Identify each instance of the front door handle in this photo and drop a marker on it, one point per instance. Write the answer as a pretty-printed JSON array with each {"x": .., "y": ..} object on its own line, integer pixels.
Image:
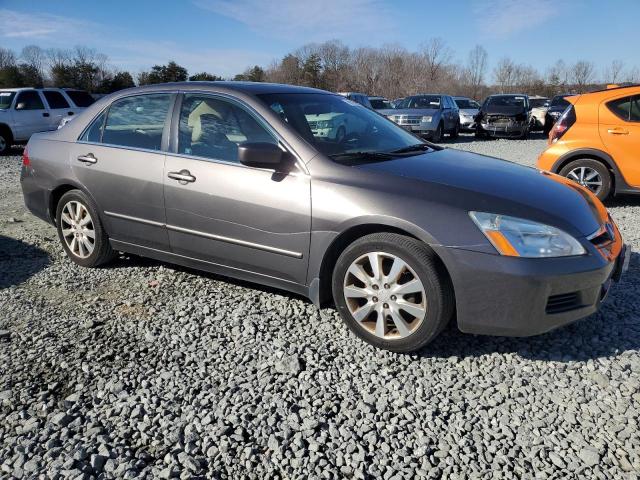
[
  {"x": 183, "y": 176},
  {"x": 69, "y": 113},
  {"x": 88, "y": 159},
  {"x": 618, "y": 131}
]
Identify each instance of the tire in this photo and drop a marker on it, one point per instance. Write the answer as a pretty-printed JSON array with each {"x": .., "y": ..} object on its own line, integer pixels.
[
  {"x": 438, "y": 134},
  {"x": 589, "y": 165},
  {"x": 78, "y": 203},
  {"x": 6, "y": 140},
  {"x": 456, "y": 131},
  {"x": 434, "y": 300},
  {"x": 525, "y": 135}
]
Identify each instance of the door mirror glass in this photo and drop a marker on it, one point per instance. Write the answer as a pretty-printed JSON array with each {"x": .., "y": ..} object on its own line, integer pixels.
[{"x": 261, "y": 155}]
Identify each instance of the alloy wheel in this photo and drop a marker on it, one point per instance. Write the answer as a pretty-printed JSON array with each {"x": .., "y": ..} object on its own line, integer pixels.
[
  {"x": 587, "y": 177},
  {"x": 385, "y": 295},
  {"x": 3, "y": 143},
  {"x": 77, "y": 229}
]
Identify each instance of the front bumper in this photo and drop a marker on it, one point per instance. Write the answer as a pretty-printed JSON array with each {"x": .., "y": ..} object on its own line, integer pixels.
[
  {"x": 497, "y": 295},
  {"x": 507, "y": 130}
]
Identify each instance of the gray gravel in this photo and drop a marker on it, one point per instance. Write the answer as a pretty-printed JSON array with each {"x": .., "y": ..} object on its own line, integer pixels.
[{"x": 143, "y": 369}]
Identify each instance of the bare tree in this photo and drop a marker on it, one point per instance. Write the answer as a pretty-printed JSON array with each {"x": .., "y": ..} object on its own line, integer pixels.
[
  {"x": 7, "y": 58},
  {"x": 582, "y": 74},
  {"x": 504, "y": 73},
  {"x": 613, "y": 73},
  {"x": 35, "y": 58},
  {"x": 476, "y": 69},
  {"x": 437, "y": 55},
  {"x": 633, "y": 75}
]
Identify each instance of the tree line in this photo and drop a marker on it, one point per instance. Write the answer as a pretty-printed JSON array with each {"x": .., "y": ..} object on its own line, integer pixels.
[{"x": 391, "y": 71}]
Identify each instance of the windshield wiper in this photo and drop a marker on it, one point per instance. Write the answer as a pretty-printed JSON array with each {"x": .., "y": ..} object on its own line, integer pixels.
[
  {"x": 413, "y": 148},
  {"x": 380, "y": 155}
]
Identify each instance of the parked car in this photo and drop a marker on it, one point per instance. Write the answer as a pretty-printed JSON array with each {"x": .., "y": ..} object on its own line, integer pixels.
[
  {"x": 360, "y": 98},
  {"x": 24, "y": 111},
  {"x": 429, "y": 115},
  {"x": 398, "y": 233},
  {"x": 539, "y": 106},
  {"x": 396, "y": 102},
  {"x": 596, "y": 142},
  {"x": 380, "y": 103},
  {"x": 505, "y": 116},
  {"x": 557, "y": 106},
  {"x": 468, "y": 110}
]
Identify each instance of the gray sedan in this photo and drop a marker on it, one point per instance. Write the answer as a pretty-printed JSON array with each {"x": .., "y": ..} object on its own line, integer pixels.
[
  {"x": 468, "y": 110},
  {"x": 399, "y": 234}
]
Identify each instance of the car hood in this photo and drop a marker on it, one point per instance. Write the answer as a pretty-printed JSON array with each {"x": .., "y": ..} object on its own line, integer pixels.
[
  {"x": 500, "y": 110},
  {"x": 481, "y": 183},
  {"x": 469, "y": 111}
]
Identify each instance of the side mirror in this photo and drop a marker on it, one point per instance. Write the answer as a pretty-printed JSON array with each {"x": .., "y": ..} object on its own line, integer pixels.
[
  {"x": 261, "y": 155},
  {"x": 21, "y": 106}
]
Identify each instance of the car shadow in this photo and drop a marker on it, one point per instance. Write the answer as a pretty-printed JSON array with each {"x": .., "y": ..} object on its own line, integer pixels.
[
  {"x": 19, "y": 261},
  {"x": 14, "y": 151},
  {"x": 623, "y": 200},
  {"x": 614, "y": 329}
]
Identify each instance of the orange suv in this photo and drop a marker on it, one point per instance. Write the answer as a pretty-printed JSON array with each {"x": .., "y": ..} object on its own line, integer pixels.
[{"x": 596, "y": 141}]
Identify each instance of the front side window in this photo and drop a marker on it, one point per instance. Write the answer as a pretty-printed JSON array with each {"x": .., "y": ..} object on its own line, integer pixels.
[
  {"x": 213, "y": 128},
  {"x": 5, "y": 99},
  {"x": 336, "y": 126},
  {"x": 55, "y": 99},
  {"x": 621, "y": 108},
  {"x": 29, "y": 100},
  {"x": 635, "y": 109},
  {"x": 137, "y": 121}
]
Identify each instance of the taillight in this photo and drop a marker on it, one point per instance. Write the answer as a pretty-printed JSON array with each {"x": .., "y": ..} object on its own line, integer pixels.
[
  {"x": 564, "y": 123},
  {"x": 25, "y": 158}
]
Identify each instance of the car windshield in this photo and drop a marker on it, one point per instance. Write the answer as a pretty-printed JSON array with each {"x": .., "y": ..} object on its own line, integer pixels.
[
  {"x": 380, "y": 103},
  {"x": 5, "y": 99},
  {"x": 538, "y": 102},
  {"x": 506, "y": 101},
  {"x": 340, "y": 128},
  {"x": 466, "y": 103},
  {"x": 421, "y": 101}
]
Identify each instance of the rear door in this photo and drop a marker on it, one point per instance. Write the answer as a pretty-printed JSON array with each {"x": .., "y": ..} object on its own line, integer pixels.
[
  {"x": 59, "y": 107},
  {"x": 241, "y": 217},
  {"x": 120, "y": 161},
  {"x": 30, "y": 115},
  {"x": 619, "y": 124}
]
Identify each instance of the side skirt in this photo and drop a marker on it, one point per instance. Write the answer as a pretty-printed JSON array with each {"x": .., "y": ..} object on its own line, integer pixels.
[{"x": 212, "y": 267}]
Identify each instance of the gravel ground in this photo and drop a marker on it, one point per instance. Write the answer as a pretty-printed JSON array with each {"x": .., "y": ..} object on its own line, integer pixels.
[{"x": 143, "y": 369}]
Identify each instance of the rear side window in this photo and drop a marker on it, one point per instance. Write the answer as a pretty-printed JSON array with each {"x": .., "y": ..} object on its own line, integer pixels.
[
  {"x": 621, "y": 107},
  {"x": 29, "y": 100},
  {"x": 635, "y": 109},
  {"x": 80, "y": 98},
  {"x": 55, "y": 99},
  {"x": 94, "y": 132},
  {"x": 137, "y": 122}
]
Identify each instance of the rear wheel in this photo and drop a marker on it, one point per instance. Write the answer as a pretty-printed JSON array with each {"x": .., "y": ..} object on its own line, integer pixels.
[
  {"x": 590, "y": 174},
  {"x": 80, "y": 230},
  {"x": 391, "y": 292}
]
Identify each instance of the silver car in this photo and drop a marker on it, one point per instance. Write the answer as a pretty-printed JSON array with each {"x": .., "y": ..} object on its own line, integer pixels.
[
  {"x": 429, "y": 115},
  {"x": 468, "y": 110},
  {"x": 397, "y": 233}
]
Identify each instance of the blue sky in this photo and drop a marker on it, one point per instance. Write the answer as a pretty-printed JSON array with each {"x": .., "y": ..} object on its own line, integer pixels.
[{"x": 226, "y": 36}]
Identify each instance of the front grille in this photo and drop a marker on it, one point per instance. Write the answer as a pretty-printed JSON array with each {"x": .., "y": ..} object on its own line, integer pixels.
[
  {"x": 563, "y": 302},
  {"x": 406, "y": 119},
  {"x": 499, "y": 120}
]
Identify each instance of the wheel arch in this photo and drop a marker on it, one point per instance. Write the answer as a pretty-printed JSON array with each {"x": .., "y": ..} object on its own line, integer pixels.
[
  {"x": 617, "y": 178},
  {"x": 320, "y": 289},
  {"x": 56, "y": 194}
]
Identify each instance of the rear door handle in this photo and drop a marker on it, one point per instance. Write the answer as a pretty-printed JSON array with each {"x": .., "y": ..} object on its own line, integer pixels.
[
  {"x": 618, "y": 131},
  {"x": 88, "y": 159},
  {"x": 183, "y": 176}
]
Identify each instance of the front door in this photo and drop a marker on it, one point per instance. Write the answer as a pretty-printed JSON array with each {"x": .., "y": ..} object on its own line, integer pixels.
[
  {"x": 119, "y": 161},
  {"x": 228, "y": 214},
  {"x": 620, "y": 133},
  {"x": 30, "y": 115}
]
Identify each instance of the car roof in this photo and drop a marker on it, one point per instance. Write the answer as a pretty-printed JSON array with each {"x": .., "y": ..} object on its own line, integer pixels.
[{"x": 251, "y": 88}]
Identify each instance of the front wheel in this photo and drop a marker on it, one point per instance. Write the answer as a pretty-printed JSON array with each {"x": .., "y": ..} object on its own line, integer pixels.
[
  {"x": 437, "y": 135},
  {"x": 391, "y": 292},
  {"x": 456, "y": 131},
  {"x": 80, "y": 230},
  {"x": 590, "y": 174},
  {"x": 5, "y": 142}
]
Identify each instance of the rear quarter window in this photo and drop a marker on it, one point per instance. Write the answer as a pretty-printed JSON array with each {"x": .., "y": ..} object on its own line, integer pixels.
[{"x": 621, "y": 108}]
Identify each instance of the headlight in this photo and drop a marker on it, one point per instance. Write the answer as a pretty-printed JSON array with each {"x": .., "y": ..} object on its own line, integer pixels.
[
  {"x": 516, "y": 237},
  {"x": 427, "y": 119},
  {"x": 325, "y": 124}
]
